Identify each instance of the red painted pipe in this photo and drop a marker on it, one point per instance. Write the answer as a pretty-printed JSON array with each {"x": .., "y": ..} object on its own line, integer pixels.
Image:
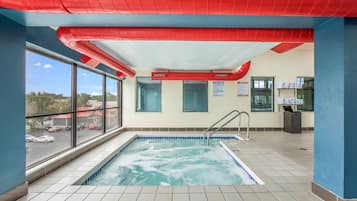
[
  {"x": 92, "y": 51},
  {"x": 284, "y": 47},
  {"x": 89, "y": 61},
  {"x": 188, "y": 34},
  {"x": 172, "y": 75},
  {"x": 331, "y": 8}
]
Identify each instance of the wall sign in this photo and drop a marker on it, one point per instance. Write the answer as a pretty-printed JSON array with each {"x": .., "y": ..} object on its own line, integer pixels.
[
  {"x": 218, "y": 88},
  {"x": 242, "y": 88}
]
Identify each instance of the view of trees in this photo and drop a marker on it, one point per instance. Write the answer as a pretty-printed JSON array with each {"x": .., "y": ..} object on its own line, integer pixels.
[
  {"x": 48, "y": 103},
  {"x": 44, "y": 103}
]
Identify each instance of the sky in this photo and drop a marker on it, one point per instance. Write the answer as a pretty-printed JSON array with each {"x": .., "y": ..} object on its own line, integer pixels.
[{"x": 45, "y": 74}]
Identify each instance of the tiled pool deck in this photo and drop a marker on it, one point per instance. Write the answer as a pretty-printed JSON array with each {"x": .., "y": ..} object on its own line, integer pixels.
[{"x": 276, "y": 157}]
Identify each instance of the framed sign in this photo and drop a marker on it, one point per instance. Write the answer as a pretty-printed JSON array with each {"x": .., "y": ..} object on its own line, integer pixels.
[
  {"x": 218, "y": 88},
  {"x": 242, "y": 88}
]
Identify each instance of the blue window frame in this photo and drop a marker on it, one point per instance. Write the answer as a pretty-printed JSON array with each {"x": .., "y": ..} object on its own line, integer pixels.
[
  {"x": 148, "y": 95},
  {"x": 195, "y": 96}
]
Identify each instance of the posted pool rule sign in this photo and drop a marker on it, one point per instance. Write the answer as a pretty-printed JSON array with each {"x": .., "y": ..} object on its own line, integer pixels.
[
  {"x": 218, "y": 88},
  {"x": 242, "y": 88}
]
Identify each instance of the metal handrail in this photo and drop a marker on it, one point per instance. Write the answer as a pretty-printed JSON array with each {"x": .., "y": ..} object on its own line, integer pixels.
[
  {"x": 248, "y": 126},
  {"x": 217, "y": 122},
  {"x": 227, "y": 122}
]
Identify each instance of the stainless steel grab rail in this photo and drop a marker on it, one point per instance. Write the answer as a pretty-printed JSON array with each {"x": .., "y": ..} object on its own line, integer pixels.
[
  {"x": 217, "y": 122},
  {"x": 206, "y": 135}
]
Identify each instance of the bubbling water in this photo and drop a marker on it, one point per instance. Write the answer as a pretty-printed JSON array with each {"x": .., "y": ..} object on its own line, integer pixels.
[{"x": 172, "y": 162}]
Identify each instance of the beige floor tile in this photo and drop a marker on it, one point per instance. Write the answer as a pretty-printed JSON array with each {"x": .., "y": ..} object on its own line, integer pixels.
[
  {"x": 180, "y": 189},
  {"x": 163, "y": 197},
  {"x": 146, "y": 197},
  {"x": 180, "y": 197},
  {"x": 111, "y": 197},
  {"x": 94, "y": 197},
  {"x": 196, "y": 189},
  {"x": 198, "y": 197},
  {"x": 249, "y": 196},
  {"x": 228, "y": 189},
  {"x": 164, "y": 189},
  {"x": 232, "y": 197},
  {"x": 212, "y": 189},
  {"x": 77, "y": 197},
  {"x": 117, "y": 189},
  {"x": 60, "y": 197},
  {"x": 133, "y": 189},
  {"x": 215, "y": 197},
  {"x": 129, "y": 197},
  {"x": 43, "y": 197}
]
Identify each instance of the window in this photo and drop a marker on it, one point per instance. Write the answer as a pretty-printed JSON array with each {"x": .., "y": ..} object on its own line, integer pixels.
[
  {"x": 306, "y": 93},
  {"x": 262, "y": 94},
  {"x": 48, "y": 107},
  {"x": 195, "y": 96},
  {"x": 50, "y": 101},
  {"x": 148, "y": 95},
  {"x": 112, "y": 104},
  {"x": 89, "y": 105}
]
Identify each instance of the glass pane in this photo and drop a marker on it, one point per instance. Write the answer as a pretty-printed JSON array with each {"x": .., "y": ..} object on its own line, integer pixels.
[
  {"x": 148, "y": 95},
  {"x": 195, "y": 95},
  {"x": 262, "y": 95},
  {"x": 46, "y": 92},
  {"x": 89, "y": 90},
  {"x": 111, "y": 119},
  {"x": 306, "y": 93},
  {"x": 112, "y": 93},
  {"x": 46, "y": 136},
  {"x": 89, "y": 124}
]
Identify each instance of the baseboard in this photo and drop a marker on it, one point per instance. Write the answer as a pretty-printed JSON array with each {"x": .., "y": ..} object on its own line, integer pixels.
[
  {"x": 325, "y": 194},
  {"x": 187, "y": 129},
  {"x": 15, "y": 193}
]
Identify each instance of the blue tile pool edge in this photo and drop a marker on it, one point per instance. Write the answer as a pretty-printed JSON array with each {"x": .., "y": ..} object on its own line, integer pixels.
[{"x": 95, "y": 171}]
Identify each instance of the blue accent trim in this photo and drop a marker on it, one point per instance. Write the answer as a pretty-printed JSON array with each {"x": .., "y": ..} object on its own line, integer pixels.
[
  {"x": 146, "y": 20},
  {"x": 12, "y": 90},
  {"x": 46, "y": 38}
]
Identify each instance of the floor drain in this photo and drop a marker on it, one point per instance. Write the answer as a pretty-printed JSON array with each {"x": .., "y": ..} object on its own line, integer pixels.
[{"x": 303, "y": 149}]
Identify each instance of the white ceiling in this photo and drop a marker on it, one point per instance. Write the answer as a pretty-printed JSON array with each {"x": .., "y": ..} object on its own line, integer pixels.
[{"x": 184, "y": 55}]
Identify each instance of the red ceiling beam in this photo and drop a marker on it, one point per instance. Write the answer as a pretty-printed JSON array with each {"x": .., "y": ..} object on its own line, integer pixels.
[
  {"x": 188, "y": 34},
  {"x": 92, "y": 52},
  {"x": 211, "y": 75},
  {"x": 332, "y": 8},
  {"x": 284, "y": 47}
]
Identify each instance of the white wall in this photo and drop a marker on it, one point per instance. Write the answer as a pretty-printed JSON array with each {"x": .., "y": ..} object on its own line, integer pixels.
[{"x": 283, "y": 67}]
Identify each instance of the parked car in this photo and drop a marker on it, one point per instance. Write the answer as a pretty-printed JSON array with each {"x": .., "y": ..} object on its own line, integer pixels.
[
  {"x": 94, "y": 127},
  {"x": 54, "y": 129}
]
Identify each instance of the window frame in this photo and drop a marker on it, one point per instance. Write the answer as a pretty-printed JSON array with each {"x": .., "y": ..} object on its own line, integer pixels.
[
  {"x": 313, "y": 92},
  {"x": 136, "y": 96},
  {"x": 183, "y": 96},
  {"x": 73, "y": 99},
  {"x": 252, "y": 78}
]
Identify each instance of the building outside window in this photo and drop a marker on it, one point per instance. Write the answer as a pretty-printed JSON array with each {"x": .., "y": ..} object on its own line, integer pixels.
[
  {"x": 195, "y": 96},
  {"x": 306, "y": 93},
  {"x": 90, "y": 108},
  {"x": 148, "y": 95},
  {"x": 50, "y": 110},
  {"x": 262, "y": 94},
  {"x": 112, "y": 104}
]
